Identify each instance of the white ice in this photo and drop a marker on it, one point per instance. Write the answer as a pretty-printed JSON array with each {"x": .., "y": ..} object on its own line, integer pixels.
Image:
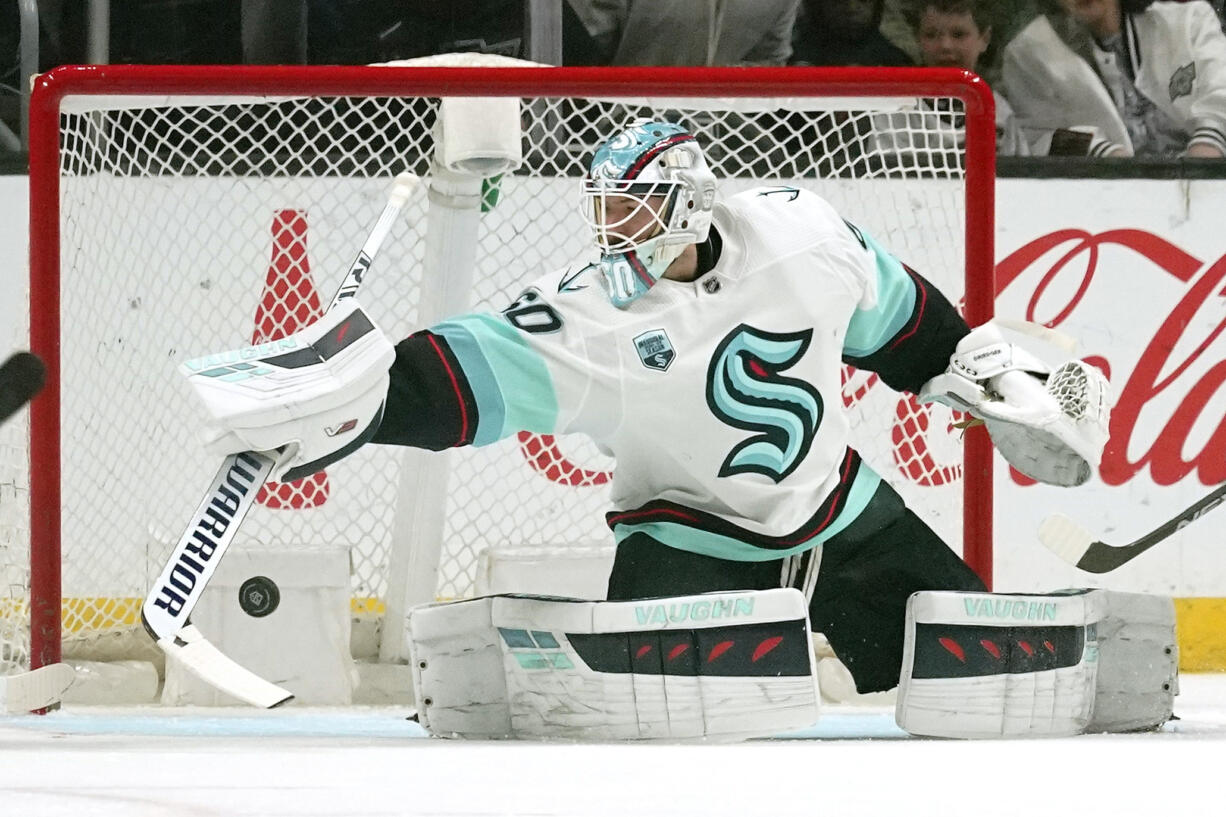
[{"x": 87, "y": 761}]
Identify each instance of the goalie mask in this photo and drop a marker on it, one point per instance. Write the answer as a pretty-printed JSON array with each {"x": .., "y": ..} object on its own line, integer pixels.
[{"x": 647, "y": 196}]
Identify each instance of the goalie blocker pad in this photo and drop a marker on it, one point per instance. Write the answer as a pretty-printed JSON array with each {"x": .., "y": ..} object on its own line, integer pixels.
[
  {"x": 307, "y": 399},
  {"x": 717, "y": 666},
  {"x": 983, "y": 665}
]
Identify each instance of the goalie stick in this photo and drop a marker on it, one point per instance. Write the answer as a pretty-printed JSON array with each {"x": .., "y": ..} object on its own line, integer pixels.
[
  {"x": 166, "y": 610},
  {"x": 21, "y": 377},
  {"x": 1073, "y": 543}
]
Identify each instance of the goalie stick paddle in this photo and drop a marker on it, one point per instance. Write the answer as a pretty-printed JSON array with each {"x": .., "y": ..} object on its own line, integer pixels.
[
  {"x": 166, "y": 609},
  {"x": 21, "y": 377},
  {"x": 1074, "y": 544}
]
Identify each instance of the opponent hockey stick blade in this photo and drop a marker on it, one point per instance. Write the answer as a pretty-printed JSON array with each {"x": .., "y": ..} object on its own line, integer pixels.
[
  {"x": 1074, "y": 544},
  {"x": 190, "y": 648},
  {"x": 173, "y": 596},
  {"x": 37, "y": 689},
  {"x": 21, "y": 377}
]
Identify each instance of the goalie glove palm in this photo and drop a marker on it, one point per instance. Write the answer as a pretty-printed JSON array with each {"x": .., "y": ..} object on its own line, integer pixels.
[
  {"x": 1049, "y": 425},
  {"x": 306, "y": 400}
]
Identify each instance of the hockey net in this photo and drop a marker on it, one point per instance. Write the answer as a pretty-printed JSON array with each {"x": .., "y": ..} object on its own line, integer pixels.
[{"x": 189, "y": 210}]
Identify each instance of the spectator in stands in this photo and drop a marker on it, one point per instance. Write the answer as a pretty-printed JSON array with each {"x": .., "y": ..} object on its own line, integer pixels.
[
  {"x": 689, "y": 32},
  {"x": 896, "y": 27},
  {"x": 957, "y": 34},
  {"x": 843, "y": 32},
  {"x": 1219, "y": 6},
  {"x": 1150, "y": 75}
]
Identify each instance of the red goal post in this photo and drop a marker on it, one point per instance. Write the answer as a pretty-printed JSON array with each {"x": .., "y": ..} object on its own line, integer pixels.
[{"x": 130, "y": 244}]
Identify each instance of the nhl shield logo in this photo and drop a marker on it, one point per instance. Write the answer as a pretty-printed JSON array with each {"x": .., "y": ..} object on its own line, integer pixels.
[
  {"x": 1182, "y": 80},
  {"x": 655, "y": 350}
]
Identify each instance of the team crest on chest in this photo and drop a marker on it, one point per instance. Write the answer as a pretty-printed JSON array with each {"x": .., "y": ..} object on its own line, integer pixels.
[
  {"x": 655, "y": 349},
  {"x": 746, "y": 390}
]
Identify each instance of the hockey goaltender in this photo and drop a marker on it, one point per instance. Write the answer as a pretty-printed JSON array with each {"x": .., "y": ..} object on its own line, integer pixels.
[{"x": 703, "y": 350}]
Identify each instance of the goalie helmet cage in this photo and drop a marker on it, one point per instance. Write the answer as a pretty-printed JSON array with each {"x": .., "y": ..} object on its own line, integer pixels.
[{"x": 179, "y": 210}]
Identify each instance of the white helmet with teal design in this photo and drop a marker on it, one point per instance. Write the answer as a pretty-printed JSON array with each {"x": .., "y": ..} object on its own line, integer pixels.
[{"x": 651, "y": 179}]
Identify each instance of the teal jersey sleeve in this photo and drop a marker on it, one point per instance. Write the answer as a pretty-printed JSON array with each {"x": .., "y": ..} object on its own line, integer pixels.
[
  {"x": 509, "y": 379},
  {"x": 910, "y": 332},
  {"x": 871, "y": 329}
]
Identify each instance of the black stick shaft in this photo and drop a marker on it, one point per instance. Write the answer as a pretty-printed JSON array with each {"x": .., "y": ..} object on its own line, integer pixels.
[
  {"x": 1102, "y": 558},
  {"x": 21, "y": 377}
]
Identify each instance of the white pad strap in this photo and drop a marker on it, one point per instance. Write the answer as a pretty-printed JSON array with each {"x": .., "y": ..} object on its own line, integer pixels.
[
  {"x": 715, "y": 666},
  {"x": 987, "y": 351},
  {"x": 307, "y": 399},
  {"x": 993, "y": 665}
]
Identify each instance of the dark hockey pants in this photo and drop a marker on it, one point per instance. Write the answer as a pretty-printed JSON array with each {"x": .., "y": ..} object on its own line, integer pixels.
[{"x": 867, "y": 573}]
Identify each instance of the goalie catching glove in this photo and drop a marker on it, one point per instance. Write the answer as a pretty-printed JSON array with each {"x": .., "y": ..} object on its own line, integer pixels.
[
  {"x": 306, "y": 400},
  {"x": 1049, "y": 425}
]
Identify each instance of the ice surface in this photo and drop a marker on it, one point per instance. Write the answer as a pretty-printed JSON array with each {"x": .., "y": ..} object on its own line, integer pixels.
[{"x": 88, "y": 761}]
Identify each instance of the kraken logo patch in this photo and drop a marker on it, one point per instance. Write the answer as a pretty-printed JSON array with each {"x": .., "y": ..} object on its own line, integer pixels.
[
  {"x": 1182, "y": 81},
  {"x": 655, "y": 349},
  {"x": 746, "y": 390}
]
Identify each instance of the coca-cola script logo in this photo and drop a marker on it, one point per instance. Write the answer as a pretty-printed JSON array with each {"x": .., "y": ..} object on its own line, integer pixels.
[
  {"x": 1169, "y": 370},
  {"x": 1170, "y": 454}
]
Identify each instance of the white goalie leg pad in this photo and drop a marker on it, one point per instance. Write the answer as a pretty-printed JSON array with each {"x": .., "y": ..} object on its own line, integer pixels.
[
  {"x": 1050, "y": 424},
  {"x": 307, "y": 399},
  {"x": 984, "y": 665},
  {"x": 721, "y": 666}
]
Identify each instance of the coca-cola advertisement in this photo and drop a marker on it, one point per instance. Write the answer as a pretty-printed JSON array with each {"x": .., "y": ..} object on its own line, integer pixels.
[{"x": 1135, "y": 271}]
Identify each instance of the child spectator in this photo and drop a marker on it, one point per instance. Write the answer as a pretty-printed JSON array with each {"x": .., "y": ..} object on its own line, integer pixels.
[{"x": 957, "y": 34}]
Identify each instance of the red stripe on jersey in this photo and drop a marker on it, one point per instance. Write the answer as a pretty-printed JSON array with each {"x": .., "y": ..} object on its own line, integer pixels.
[
  {"x": 455, "y": 385},
  {"x": 831, "y": 507},
  {"x": 922, "y": 294},
  {"x": 643, "y": 516}
]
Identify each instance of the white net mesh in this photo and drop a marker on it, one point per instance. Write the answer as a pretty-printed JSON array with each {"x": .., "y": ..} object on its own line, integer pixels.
[
  {"x": 14, "y": 546},
  {"x": 14, "y": 511},
  {"x": 191, "y": 226}
]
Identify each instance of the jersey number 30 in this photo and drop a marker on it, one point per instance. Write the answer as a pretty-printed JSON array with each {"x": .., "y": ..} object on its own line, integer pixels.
[{"x": 530, "y": 313}]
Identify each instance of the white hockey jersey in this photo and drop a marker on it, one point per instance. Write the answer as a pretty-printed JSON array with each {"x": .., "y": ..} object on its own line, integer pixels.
[{"x": 719, "y": 398}]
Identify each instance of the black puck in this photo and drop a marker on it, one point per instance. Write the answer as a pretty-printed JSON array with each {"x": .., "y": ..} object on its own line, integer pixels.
[{"x": 259, "y": 596}]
